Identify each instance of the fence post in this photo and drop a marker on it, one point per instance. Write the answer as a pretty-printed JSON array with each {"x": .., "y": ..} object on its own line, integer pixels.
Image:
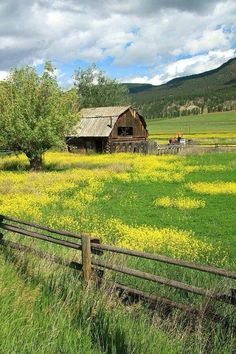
[
  {"x": 86, "y": 258},
  {"x": 1, "y": 220}
]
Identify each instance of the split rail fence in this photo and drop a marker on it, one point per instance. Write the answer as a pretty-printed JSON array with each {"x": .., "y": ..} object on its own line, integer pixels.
[
  {"x": 91, "y": 266},
  {"x": 6, "y": 152}
]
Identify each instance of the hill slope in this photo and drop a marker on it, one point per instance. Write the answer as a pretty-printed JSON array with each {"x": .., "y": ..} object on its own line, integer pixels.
[{"x": 211, "y": 91}]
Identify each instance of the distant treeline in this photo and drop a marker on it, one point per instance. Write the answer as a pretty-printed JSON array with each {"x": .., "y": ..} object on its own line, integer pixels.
[{"x": 183, "y": 106}]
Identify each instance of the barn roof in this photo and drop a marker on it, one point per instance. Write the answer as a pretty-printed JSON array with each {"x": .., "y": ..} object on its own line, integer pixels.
[
  {"x": 99, "y": 112},
  {"x": 95, "y": 127},
  {"x": 98, "y": 122}
]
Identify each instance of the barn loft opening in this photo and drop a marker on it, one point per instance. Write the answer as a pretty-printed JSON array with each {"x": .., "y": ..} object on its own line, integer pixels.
[{"x": 125, "y": 131}]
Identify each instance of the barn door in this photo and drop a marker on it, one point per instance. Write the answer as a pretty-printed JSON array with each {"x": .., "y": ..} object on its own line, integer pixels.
[{"x": 98, "y": 145}]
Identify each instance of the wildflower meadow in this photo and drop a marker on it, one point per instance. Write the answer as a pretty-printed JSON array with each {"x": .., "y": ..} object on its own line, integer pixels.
[
  {"x": 161, "y": 200},
  {"x": 180, "y": 206}
]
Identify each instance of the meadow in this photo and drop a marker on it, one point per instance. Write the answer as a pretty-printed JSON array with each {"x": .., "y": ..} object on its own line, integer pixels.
[
  {"x": 211, "y": 128},
  {"x": 182, "y": 206}
]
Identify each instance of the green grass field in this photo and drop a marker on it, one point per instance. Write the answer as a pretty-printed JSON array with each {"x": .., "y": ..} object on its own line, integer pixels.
[
  {"x": 181, "y": 206},
  {"x": 212, "y": 128}
]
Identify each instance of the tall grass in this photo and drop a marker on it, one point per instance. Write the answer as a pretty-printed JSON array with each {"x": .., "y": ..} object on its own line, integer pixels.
[{"x": 44, "y": 309}]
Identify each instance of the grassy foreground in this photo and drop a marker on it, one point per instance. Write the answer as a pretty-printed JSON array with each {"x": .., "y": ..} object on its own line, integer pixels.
[
  {"x": 172, "y": 205},
  {"x": 211, "y": 128}
]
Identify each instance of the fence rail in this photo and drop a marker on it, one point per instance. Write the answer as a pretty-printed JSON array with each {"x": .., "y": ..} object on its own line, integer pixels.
[
  {"x": 5, "y": 152},
  {"x": 91, "y": 247},
  {"x": 164, "y": 259}
]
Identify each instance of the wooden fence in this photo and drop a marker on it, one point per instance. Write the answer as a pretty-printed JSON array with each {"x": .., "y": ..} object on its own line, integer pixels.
[
  {"x": 149, "y": 147},
  {"x": 5, "y": 152},
  {"x": 92, "y": 264},
  {"x": 154, "y": 149}
]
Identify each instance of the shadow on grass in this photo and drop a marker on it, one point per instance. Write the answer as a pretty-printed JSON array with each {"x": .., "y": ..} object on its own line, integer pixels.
[
  {"x": 80, "y": 165},
  {"x": 18, "y": 166},
  {"x": 14, "y": 166},
  {"x": 47, "y": 167}
]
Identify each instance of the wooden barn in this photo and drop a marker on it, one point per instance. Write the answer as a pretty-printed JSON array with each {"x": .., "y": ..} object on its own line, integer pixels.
[{"x": 109, "y": 129}]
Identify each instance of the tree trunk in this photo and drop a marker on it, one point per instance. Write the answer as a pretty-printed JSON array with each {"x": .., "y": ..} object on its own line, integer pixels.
[{"x": 36, "y": 163}]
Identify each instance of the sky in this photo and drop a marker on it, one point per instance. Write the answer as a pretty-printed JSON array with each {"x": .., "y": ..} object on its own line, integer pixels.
[{"x": 146, "y": 41}]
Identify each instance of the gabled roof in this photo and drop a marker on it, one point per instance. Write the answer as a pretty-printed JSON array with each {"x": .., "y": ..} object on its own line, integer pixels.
[
  {"x": 98, "y": 122},
  {"x": 99, "y": 112}
]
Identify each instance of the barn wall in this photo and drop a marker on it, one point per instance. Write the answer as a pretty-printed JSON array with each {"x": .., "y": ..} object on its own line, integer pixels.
[{"x": 129, "y": 119}]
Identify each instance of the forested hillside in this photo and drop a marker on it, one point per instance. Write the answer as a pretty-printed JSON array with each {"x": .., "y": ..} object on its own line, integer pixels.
[{"x": 211, "y": 91}]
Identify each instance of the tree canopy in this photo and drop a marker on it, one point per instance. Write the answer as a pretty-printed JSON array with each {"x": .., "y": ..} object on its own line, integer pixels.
[
  {"x": 95, "y": 89},
  {"x": 35, "y": 113}
]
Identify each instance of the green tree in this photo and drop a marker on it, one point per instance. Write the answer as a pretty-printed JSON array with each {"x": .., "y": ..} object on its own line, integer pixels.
[
  {"x": 95, "y": 89},
  {"x": 35, "y": 113}
]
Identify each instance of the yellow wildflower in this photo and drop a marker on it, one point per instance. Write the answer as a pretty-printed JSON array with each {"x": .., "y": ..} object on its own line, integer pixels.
[
  {"x": 213, "y": 188},
  {"x": 180, "y": 203}
]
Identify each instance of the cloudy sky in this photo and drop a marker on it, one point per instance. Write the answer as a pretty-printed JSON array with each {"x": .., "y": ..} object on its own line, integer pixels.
[{"x": 133, "y": 40}]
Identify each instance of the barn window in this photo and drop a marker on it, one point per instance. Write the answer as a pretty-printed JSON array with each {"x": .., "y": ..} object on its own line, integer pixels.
[{"x": 125, "y": 131}]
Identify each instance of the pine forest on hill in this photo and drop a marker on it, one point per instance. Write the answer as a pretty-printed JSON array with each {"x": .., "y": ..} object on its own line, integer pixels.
[{"x": 211, "y": 91}]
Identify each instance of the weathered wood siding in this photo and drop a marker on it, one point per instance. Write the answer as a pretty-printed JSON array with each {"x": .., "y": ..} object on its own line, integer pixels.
[{"x": 129, "y": 119}]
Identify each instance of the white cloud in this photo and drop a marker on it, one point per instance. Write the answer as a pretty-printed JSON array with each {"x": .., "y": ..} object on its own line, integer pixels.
[
  {"x": 173, "y": 33},
  {"x": 155, "y": 80},
  {"x": 3, "y": 75},
  {"x": 146, "y": 33},
  {"x": 184, "y": 67},
  {"x": 209, "y": 39},
  {"x": 198, "y": 63}
]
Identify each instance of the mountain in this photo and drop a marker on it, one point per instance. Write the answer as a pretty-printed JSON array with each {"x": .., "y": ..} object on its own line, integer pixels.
[{"x": 210, "y": 91}]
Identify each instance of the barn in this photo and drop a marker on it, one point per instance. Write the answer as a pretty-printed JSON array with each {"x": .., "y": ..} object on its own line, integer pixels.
[{"x": 109, "y": 129}]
